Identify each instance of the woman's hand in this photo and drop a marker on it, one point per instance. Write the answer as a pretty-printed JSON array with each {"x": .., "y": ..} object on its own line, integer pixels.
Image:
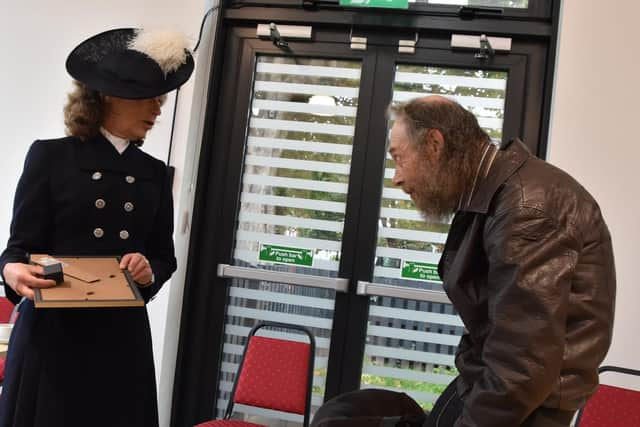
[
  {"x": 139, "y": 267},
  {"x": 23, "y": 278}
]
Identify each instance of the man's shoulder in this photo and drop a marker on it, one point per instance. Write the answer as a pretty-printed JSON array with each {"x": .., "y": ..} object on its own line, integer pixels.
[
  {"x": 548, "y": 189},
  {"x": 543, "y": 182}
]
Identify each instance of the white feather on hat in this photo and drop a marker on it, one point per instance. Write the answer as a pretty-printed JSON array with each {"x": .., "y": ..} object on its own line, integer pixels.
[{"x": 168, "y": 48}]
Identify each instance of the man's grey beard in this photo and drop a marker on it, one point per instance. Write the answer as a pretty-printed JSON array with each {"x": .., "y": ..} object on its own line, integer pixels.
[{"x": 442, "y": 184}]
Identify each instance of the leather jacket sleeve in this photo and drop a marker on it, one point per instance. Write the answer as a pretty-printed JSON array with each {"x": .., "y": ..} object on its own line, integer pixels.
[{"x": 531, "y": 263}]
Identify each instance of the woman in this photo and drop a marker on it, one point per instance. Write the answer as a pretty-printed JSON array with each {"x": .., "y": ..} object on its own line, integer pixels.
[{"x": 94, "y": 193}]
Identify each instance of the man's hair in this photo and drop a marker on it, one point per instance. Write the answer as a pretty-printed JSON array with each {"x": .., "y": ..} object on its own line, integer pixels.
[
  {"x": 443, "y": 181},
  {"x": 83, "y": 112},
  {"x": 458, "y": 126}
]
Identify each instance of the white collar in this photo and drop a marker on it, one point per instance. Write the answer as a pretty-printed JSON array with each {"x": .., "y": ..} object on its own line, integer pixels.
[{"x": 119, "y": 144}]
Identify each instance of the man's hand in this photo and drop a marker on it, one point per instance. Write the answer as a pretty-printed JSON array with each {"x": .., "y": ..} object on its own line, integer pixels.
[
  {"x": 139, "y": 267},
  {"x": 23, "y": 278}
]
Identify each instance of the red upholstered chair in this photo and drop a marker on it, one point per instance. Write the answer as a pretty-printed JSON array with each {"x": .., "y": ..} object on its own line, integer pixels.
[
  {"x": 611, "y": 406},
  {"x": 275, "y": 374},
  {"x": 6, "y": 308}
]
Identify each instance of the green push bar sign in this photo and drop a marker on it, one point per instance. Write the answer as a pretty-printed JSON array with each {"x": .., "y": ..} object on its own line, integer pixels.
[
  {"x": 389, "y": 4},
  {"x": 420, "y": 271},
  {"x": 286, "y": 255}
]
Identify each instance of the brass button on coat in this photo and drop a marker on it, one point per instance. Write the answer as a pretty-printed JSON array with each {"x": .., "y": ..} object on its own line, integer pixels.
[
  {"x": 98, "y": 232},
  {"x": 130, "y": 179},
  {"x": 128, "y": 206},
  {"x": 100, "y": 203},
  {"x": 124, "y": 234},
  {"x": 97, "y": 176}
]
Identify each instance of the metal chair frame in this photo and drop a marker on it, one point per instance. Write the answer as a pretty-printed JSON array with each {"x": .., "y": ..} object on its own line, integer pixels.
[{"x": 312, "y": 352}]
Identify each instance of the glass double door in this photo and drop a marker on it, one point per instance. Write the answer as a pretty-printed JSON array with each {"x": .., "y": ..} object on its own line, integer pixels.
[{"x": 313, "y": 231}]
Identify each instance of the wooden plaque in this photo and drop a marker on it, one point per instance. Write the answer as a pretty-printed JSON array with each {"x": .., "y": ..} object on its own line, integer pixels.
[{"x": 88, "y": 282}]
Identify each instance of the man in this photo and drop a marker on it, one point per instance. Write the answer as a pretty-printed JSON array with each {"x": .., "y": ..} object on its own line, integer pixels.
[{"x": 528, "y": 264}]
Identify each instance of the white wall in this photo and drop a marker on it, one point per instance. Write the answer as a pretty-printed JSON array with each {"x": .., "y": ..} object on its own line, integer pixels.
[
  {"x": 187, "y": 154},
  {"x": 593, "y": 133},
  {"x": 36, "y": 37},
  {"x": 595, "y": 137}
]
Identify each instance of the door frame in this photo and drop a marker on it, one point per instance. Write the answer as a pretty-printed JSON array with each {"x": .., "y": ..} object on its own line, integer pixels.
[
  {"x": 202, "y": 322},
  {"x": 346, "y": 376}
]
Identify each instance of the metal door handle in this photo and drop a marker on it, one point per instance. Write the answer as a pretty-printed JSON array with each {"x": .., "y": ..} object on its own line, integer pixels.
[
  {"x": 336, "y": 283},
  {"x": 378, "y": 289}
]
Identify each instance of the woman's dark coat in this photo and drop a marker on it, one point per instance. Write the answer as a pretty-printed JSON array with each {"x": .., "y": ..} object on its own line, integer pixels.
[{"x": 79, "y": 367}]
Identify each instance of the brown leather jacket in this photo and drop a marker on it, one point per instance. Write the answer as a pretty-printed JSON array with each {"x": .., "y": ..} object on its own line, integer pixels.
[{"x": 529, "y": 266}]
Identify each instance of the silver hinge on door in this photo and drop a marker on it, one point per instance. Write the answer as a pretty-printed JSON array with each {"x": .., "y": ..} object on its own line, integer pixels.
[
  {"x": 408, "y": 46},
  {"x": 485, "y": 47},
  {"x": 357, "y": 43}
]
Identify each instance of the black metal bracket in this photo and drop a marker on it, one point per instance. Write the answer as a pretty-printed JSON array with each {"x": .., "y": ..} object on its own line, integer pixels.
[
  {"x": 486, "y": 50},
  {"x": 309, "y": 5},
  {"x": 468, "y": 12},
  {"x": 276, "y": 38}
]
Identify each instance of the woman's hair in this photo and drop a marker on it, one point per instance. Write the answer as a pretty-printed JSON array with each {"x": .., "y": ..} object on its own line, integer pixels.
[{"x": 83, "y": 112}]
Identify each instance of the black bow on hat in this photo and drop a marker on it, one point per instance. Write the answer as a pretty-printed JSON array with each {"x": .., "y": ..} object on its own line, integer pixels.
[{"x": 131, "y": 63}]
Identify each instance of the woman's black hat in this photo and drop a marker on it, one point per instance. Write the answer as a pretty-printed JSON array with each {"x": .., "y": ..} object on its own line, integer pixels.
[{"x": 132, "y": 63}]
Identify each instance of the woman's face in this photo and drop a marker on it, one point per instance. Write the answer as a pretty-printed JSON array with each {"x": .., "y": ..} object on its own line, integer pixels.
[{"x": 131, "y": 118}]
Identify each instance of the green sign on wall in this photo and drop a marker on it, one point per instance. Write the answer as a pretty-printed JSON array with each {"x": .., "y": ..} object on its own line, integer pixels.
[
  {"x": 286, "y": 255},
  {"x": 420, "y": 271},
  {"x": 390, "y": 4}
]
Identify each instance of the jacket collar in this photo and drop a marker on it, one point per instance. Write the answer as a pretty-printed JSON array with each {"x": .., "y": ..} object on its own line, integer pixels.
[
  {"x": 509, "y": 158},
  {"x": 98, "y": 154}
]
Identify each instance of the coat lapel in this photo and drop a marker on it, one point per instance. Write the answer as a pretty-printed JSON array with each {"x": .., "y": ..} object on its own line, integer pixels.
[
  {"x": 98, "y": 154},
  {"x": 508, "y": 160}
]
